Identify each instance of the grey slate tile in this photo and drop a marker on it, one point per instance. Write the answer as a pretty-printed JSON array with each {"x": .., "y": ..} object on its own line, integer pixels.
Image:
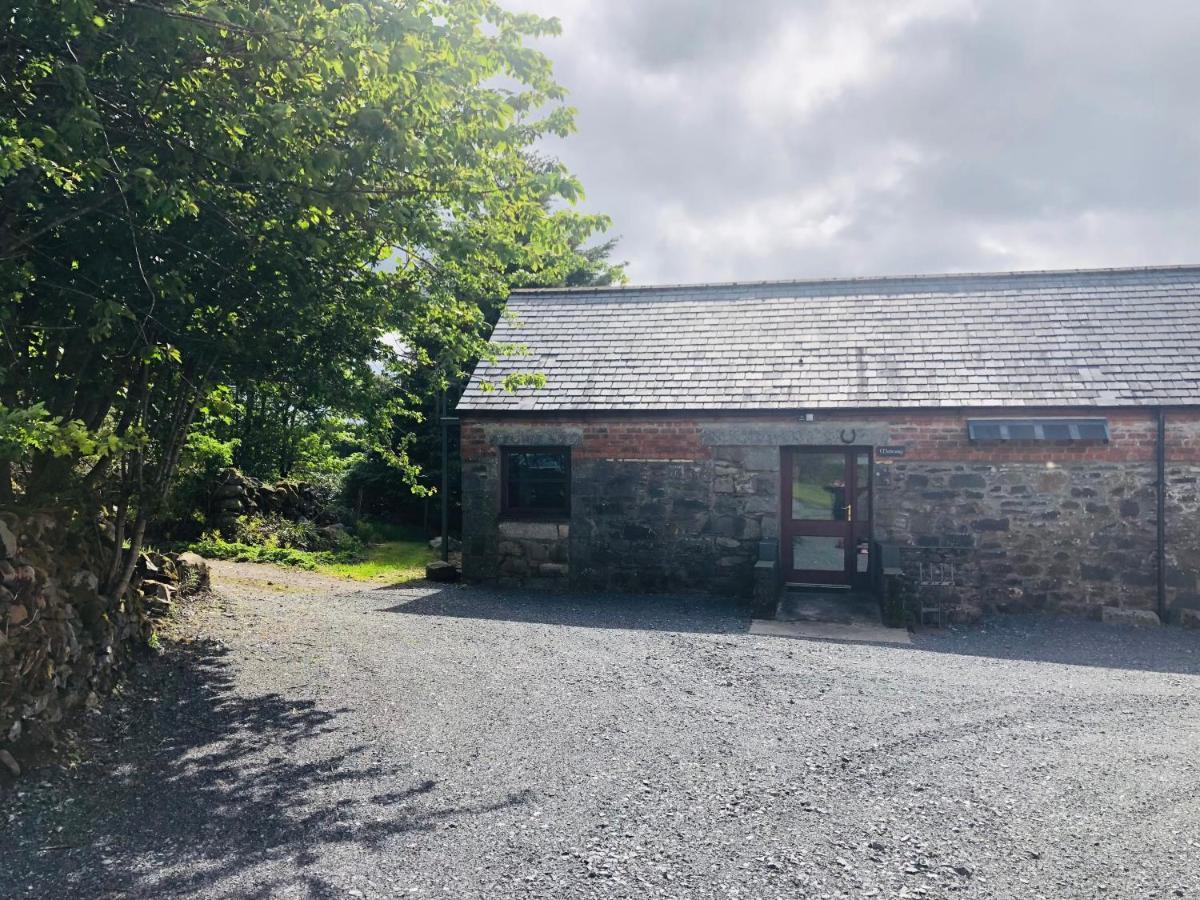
[{"x": 1100, "y": 337}]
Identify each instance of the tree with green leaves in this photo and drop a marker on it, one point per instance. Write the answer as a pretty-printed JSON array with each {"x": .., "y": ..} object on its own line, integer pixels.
[{"x": 198, "y": 194}]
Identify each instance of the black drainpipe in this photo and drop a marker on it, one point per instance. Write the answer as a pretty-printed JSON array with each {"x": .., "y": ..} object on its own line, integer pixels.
[{"x": 1160, "y": 453}]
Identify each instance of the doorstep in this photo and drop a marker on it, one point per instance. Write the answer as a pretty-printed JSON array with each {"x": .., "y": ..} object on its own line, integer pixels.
[{"x": 856, "y": 632}]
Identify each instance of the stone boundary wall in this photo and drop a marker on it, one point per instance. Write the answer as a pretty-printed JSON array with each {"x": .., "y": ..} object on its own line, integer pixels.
[
  {"x": 674, "y": 502},
  {"x": 236, "y": 494},
  {"x": 63, "y": 643}
]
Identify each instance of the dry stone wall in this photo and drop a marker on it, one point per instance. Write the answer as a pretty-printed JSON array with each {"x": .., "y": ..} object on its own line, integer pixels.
[
  {"x": 237, "y": 494},
  {"x": 63, "y": 643}
]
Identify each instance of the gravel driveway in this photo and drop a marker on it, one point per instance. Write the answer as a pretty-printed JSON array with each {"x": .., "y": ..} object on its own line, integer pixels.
[{"x": 316, "y": 739}]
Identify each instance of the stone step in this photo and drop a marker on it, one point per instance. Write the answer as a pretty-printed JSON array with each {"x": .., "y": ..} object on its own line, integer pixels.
[{"x": 843, "y": 607}]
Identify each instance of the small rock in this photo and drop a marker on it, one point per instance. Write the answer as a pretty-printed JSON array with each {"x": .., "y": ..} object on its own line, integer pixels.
[
  {"x": 8, "y": 541},
  {"x": 1189, "y": 618},
  {"x": 158, "y": 590},
  {"x": 441, "y": 571},
  {"x": 11, "y": 764}
]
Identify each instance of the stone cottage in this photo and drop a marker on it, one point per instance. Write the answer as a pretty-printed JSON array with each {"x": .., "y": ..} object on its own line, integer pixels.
[{"x": 1039, "y": 431}]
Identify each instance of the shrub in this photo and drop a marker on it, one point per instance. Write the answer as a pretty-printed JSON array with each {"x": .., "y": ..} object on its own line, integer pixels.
[
  {"x": 276, "y": 532},
  {"x": 213, "y": 546},
  {"x": 373, "y": 532}
]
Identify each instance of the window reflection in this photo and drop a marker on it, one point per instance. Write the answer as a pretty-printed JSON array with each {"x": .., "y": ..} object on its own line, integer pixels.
[{"x": 819, "y": 487}]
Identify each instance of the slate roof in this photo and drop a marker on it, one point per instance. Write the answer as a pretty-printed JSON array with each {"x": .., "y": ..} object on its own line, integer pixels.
[{"x": 1105, "y": 337}]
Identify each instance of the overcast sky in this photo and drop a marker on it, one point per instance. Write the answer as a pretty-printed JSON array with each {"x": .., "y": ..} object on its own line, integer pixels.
[{"x": 750, "y": 139}]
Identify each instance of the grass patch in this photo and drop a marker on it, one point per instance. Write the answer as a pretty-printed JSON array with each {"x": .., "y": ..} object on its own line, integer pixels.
[
  {"x": 395, "y": 561},
  {"x": 215, "y": 548},
  {"x": 392, "y": 560}
]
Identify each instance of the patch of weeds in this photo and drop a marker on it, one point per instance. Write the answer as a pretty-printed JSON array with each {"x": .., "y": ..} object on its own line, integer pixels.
[
  {"x": 190, "y": 582},
  {"x": 213, "y": 546},
  {"x": 393, "y": 561}
]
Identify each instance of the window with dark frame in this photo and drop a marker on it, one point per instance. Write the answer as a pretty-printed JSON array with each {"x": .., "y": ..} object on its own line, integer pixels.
[
  {"x": 992, "y": 430},
  {"x": 536, "y": 481}
]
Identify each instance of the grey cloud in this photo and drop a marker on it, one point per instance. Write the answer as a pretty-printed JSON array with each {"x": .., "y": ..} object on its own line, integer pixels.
[{"x": 775, "y": 139}]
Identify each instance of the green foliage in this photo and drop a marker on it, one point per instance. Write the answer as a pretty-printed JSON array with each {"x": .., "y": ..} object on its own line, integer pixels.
[
  {"x": 392, "y": 561},
  {"x": 275, "y": 531},
  {"x": 213, "y": 546},
  {"x": 25, "y": 433},
  {"x": 196, "y": 194},
  {"x": 370, "y": 531},
  {"x": 204, "y": 455}
]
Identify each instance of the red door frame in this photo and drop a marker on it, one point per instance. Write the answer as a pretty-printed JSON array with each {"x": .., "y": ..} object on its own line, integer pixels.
[{"x": 851, "y": 530}]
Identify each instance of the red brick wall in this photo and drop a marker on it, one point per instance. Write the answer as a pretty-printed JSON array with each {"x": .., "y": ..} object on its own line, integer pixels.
[
  {"x": 926, "y": 436},
  {"x": 944, "y": 438},
  {"x": 473, "y": 441},
  {"x": 663, "y": 439}
]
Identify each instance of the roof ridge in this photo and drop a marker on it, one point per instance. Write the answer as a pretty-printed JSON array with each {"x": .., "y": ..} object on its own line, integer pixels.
[{"x": 1019, "y": 274}]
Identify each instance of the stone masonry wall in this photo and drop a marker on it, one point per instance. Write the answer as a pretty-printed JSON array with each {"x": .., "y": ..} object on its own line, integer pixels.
[
  {"x": 1046, "y": 526},
  {"x": 63, "y": 642},
  {"x": 653, "y": 508},
  {"x": 674, "y": 503},
  {"x": 533, "y": 554},
  {"x": 1023, "y": 536}
]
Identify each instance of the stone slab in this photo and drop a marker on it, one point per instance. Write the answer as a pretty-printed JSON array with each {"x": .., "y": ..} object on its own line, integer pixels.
[
  {"x": 543, "y": 531},
  {"x": 810, "y": 434},
  {"x": 1113, "y": 615},
  {"x": 857, "y": 632}
]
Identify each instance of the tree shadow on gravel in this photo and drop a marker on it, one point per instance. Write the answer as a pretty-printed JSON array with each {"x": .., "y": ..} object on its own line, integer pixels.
[
  {"x": 189, "y": 786},
  {"x": 699, "y": 614}
]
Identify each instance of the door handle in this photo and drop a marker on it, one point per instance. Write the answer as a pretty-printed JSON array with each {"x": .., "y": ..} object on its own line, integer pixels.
[{"x": 849, "y": 508}]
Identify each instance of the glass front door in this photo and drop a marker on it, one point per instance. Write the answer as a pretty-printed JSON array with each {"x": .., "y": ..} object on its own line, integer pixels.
[{"x": 826, "y": 514}]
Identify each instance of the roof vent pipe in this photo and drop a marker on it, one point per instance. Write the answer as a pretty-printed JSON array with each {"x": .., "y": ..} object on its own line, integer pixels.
[{"x": 1160, "y": 453}]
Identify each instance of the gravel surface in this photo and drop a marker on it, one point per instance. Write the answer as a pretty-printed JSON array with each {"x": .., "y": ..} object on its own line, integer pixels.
[{"x": 317, "y": 739}]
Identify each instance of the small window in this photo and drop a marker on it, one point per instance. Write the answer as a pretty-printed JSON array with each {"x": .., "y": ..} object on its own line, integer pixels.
[
  {"x": 1022, "y": 431},
  {"x": 987, "y": 430},
  {"x": 536, "y": 481},
  {"x": 1056, "y": 431},
  {"x": 1093, "y": 430}
]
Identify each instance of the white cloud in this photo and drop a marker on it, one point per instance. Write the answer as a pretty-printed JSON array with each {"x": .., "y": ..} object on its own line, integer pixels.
[{"x": 814, "y": 60}]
